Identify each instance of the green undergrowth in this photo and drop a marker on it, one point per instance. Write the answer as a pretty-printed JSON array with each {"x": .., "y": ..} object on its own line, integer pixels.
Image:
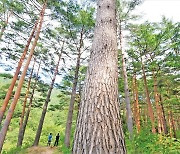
[{"x": 147, "y": 143}]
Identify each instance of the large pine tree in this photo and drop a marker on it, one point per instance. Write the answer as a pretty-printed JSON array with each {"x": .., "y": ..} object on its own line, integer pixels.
[{"x": 99, "y": 127}]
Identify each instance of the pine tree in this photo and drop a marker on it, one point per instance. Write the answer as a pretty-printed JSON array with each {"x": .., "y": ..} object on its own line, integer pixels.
[
  {"x": 99, "y": 127},
  {"x": 17, "y": 94}
]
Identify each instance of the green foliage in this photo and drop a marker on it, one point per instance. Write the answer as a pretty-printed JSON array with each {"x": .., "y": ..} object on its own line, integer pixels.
[
  {"x": 149, "y": 143},
  {"x": 16, "y": 150},
  {"x": 157, "y": 43},
  {"x": 6, "y": 76}
]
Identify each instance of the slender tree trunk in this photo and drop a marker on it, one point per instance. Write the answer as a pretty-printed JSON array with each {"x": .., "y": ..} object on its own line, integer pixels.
[
  {"x": 171, "y": 125},
  {"x": 24, "y": 103},
  {"x": 6, "y": 23},
  {"x": 165, "y": 130},
  {"x": 24, "y": 124},
  {"x": 18, "y": 90},
  {"x": 80, "y": 91},
  {"x": 15, "y": 77},
  {"x": 150, "y": 109},
  {"x": 98, "y": 129},
  {"x": 73, "y": 95},
  {"x": 158, "y": 110},
  {"x": 134, "y": 100},
  {"x": 126, "y": 89},
  {"x": 41, "y": 122},
  {"x": 146, "y": 114},
  {"x": 136, "y": 104}
]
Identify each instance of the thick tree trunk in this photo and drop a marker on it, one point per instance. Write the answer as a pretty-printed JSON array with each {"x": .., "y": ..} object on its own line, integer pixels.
[
  {"x": 15, "y": 77},
  {"x": 22, "y": 130},
  {"x": 6, "y": 23},
  {"x": 126, "y": 89},
  {"x": 150, "y": 109},
  {"x": 41, "y": 122},
  {"x": 73, "y": 95},
  {"x": 24, "y": 104},
  {"x": 136, "y": 104},
  {"x": 99, "y": 129},
  {"x": 18, "y": 90}
]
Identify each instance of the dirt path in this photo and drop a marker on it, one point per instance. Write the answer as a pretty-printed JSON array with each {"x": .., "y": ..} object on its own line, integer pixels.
[{"x": 42, "y": 150}]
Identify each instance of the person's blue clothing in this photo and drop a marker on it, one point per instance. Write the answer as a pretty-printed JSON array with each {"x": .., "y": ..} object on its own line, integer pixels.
[{"x": 49, "y": 137}]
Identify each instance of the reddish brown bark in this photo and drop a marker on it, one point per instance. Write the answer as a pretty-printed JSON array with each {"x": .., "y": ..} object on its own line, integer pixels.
[
  {"x": 162, "y": 128},
  {"x": 158, "y": 110},
  {"x": 136, "y": 104},
  {"x": 18, "y": 90},
  {"x": 150, "y": 109},
  {"x": 15, "y": 77},
  {"x": 165, "y": 130},
  {"x": 171, "y": 125},
  {"x": 22, "y": 130},
  {"x": 25, "y": 100}
]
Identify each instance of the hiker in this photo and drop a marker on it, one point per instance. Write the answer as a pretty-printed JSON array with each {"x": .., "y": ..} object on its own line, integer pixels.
[
  {"x": 49, "y": 139},
  {"x": 57, "y": 140}
]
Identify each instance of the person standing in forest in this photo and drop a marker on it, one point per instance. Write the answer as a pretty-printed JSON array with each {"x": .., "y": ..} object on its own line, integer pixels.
[
  {"x": 57, "y": 140},
  {"x": 49, "y": 139}
]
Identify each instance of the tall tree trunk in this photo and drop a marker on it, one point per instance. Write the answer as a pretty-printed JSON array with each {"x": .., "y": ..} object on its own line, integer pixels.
[
  {"x": 15, "y": 77},
  {"x": 73, "y": 95},
  {"x": 150, "y": 109},
  {"x": 136, "y": 104},
  {"x": 165, "y": 130},
  {"x": 41, "y": 122},
  {"x": 158, "y": 110},
  {"x": 18, "y": 90},
  {"x": 79, "y": 100},
  {"x": 6, "y": 23},
  {"x": 146, "y": 116},
  {"x": 24, "y": 103},
  {"x": 99, "y": 129},
  {"x": 134, "y": 99},
  {"x": 126, "y": 89},
  {"x": 171, "y": 125},
  {"x": 24, "y": 124}
]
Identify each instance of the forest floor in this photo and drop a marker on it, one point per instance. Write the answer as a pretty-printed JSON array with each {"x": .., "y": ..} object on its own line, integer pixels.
[{"x": 42, "y": 150}]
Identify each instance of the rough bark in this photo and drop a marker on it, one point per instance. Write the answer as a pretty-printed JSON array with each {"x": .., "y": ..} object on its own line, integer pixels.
[
  {"x": 6, "y": 23},
  {"x": 73, "y": 95},
  {"x": 126, "y": 89},
  {"x": 98, "y": 129},
  {"x": 150, "y": 109},
  {"x": 41, "y": 122},
  {"x": 24, "y": 104},
  {"x": 18, "y": 90},
  {"x": 15, "y": 77},
  {"x": 24, "y": 124},
  {"x": 136, "y": 104}
]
